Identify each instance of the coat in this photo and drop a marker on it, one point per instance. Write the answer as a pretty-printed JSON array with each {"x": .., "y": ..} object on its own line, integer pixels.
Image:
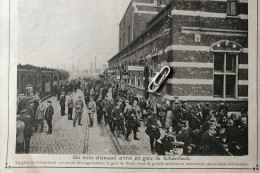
[
  {"x": 30, "y": 110},
  {"x": 19, "y": 131},
  {"x": 79, "y": 106},
  {"x": 70, "y": 103},
  {"x": 91, "y": 106},
  {"x": 169, "y": 119},
  {"x": 105, "y": 104},
  {"x": 131, "y": 119},
  {"x": 29, "y": 123},
  {"x": 49, "y": 113},
  {"x": 40, "y": 112},
  {"x": 152, "y": 129},
  {"x": 62, "y": 100}
]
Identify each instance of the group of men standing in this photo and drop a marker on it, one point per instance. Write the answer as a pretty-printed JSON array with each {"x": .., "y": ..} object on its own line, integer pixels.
[{"x": 30, "y": 115}]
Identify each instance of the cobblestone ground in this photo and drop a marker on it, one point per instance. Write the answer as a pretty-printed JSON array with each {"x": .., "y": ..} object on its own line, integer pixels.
[{"x": 67, "y": 139}]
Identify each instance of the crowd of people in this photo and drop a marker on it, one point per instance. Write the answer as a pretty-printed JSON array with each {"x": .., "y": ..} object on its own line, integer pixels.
[{"x": 194, "y": 129}]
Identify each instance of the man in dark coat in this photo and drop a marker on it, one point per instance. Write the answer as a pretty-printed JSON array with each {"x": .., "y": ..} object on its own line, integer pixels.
[
  {"x": 27, "y": 132},
  {"x": 183, "y": 136},
  {"x": 30, "y": 109},
  {"x": 62, "y": 104},
  {"x": 131, "y": 124},
  {"x": 49, "y": 116},
  {"x": 99, "y": 110},
  {"x": 210, "y": 145},
  {"x": 104, "y": 92}
]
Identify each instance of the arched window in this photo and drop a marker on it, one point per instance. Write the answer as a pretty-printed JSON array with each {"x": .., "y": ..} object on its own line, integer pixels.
[{"x": 225, "y": 59}]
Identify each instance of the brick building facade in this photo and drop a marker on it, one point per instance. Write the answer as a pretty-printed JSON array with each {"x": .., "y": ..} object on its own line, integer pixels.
[{"x": 205, "y": 43}]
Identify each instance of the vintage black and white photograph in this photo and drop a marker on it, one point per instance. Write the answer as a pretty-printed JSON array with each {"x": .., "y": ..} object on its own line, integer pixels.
[{"x": 132, "y": 77}]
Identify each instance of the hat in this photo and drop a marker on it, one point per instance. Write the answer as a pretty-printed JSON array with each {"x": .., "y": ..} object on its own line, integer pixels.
[
  {"x": 184, "y": 124},
  {"x": 230, "y": 122},
  {"x": 177, "y": 102},
  {"x": 120, "y": 100},
  {"x": 49, "y": 101},
  {"x": 24, "y": 111}
]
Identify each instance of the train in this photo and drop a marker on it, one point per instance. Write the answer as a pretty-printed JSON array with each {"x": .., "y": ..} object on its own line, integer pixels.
[{"x": 32, "y": 79}]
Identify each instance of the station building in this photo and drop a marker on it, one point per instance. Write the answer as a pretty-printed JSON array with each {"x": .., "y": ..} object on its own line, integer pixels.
[{"x": 205, "y": 42}]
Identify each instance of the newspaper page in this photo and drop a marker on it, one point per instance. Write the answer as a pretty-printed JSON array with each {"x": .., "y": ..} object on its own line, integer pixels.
[{"x": 129, "y": 85}]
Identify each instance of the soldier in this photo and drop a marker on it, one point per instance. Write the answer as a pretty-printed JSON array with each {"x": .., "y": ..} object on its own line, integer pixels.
[
  {"x": 62, "y": 104},
  {"x": 21, "y": 104},
  {"x": 152, "y": 129},
  {"x": 131, "y": 123},
  {"x": 138, "y": 112},
  {"x": 49, "y": 116},
  {"x": 116, "y": 117},
  {"x": 99, "y": 110},
  {"x": 40, "y": 116},
  {"x": 36, "y": 102},
  {"x": 78, "y": 111},
  {"x": 27, "y": 132},
  {"x": 19, "y": 135},
  {"x": 105, "y": 104},
  {"x": 30, "y": 109},
  {"x": 176, "y": 110},
  {"x": 183, "y": 136},
  {"x": 70, "y": 104},
  {"x": 231, "y": 132},
  {"x": 163, "y": 109},
  {"x": 91, "y": 110},
  {"x": 210, "y": 146}
]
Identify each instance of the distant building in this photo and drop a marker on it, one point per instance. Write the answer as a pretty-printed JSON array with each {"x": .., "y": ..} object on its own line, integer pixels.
[
  {"x": 134, "y": 21},
  {"x": 204, "y": 42}
]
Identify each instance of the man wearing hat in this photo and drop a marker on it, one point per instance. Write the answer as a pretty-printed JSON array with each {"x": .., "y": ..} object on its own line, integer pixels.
[
  {"x": 206, "y": 113},
  {"x": 40, "y": 116},
  {"x": 231, "y": 132},
  {"x": 27, "y": 132},
  {"x": 19, "y": 135},
  {"x": 176, "y": 111},
  {"x": 21, "y": 104},
  {"x": 99, "y": 110},
  {"x": 62, "y": 104},
  {"x": 49, "y": 116},
  {"x": 183, "y": 136},
  {"x": 105, "y": 104},
  {"x": 131, "y": 123},
  {"x": 70, "y": 104},
  {"x": 91, "y": 110},
  {"x": 210, "y": 145},
  {"x": 78, "y": 111}
]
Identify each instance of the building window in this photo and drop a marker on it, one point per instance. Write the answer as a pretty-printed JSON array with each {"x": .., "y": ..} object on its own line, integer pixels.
[
  {"x": 48, "y": 79},
  {"x": 232, "y": 8},
  {"x": 225, "y": 75},
  {"x": 158, "y": 2},
  {"x": 155, "y": 60}
]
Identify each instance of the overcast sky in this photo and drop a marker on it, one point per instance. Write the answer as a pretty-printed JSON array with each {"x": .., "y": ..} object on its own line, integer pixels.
[{"x": 52, "y": 32}]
